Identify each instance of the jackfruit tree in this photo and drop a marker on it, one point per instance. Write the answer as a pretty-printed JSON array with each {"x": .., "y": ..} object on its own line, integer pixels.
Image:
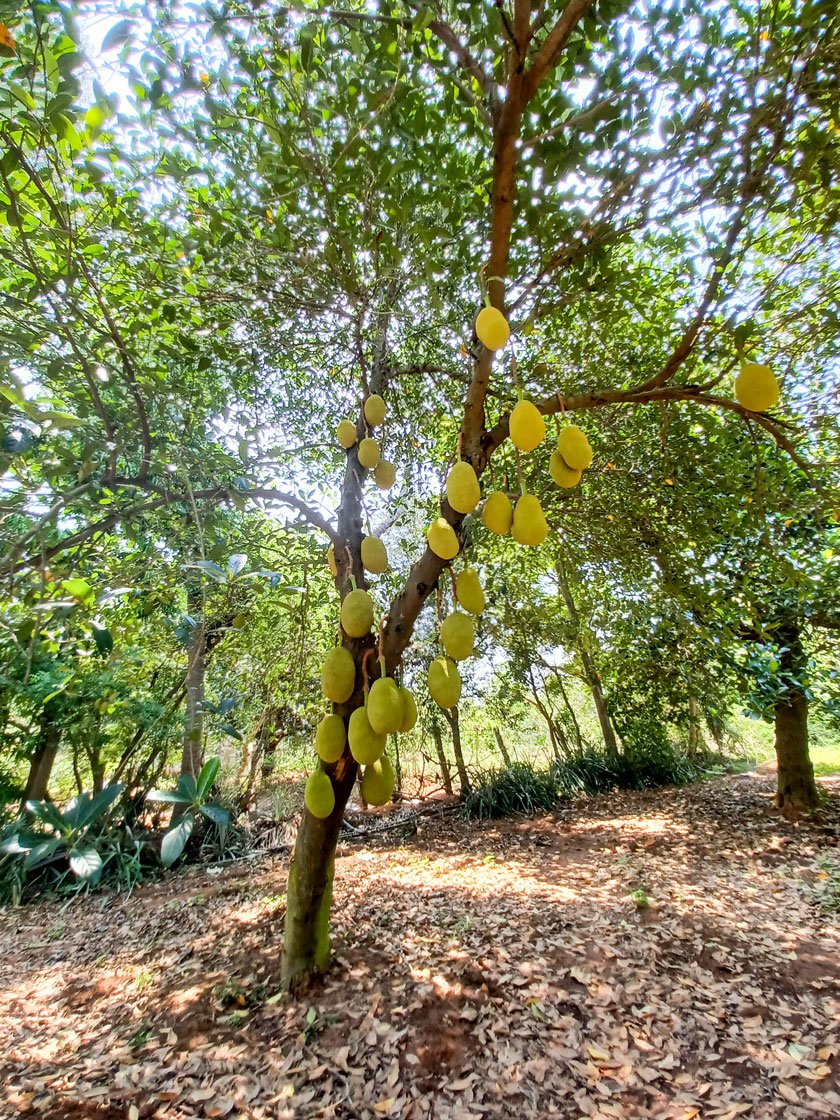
[{"x": 392, "y": 241}]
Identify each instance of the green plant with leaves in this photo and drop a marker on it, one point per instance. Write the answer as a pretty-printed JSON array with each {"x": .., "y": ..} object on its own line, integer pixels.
[
  {"x": 191, "y": 802},
  {"x": 75, "y": 840}
]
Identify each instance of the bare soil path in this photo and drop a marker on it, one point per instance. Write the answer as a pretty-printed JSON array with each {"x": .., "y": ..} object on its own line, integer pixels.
[{"x": 655, "y": 955}]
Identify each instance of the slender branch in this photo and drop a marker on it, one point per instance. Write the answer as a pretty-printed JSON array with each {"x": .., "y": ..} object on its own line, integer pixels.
[{"x": 553, "y": 45}]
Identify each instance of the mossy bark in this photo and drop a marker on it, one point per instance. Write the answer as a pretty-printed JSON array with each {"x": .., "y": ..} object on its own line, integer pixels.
[
  {"x": 443, "y": 762},
  {"x": 453, "y": 719}
]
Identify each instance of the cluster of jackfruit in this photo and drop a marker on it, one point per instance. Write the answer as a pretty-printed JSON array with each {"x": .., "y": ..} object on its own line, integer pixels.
[
  {"x": 388, "y": 708},
  {"x": 368, "y": 451}
]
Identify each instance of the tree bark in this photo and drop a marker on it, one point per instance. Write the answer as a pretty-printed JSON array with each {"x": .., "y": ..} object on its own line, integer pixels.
[
  {"x": 796, "y": 787},
  {"x": 454, "y": 721},
  {"x": 194, "y": 721},
  {"x": 694, "y": 740},
  {"x": 43, "y": 758},
  {"x": 502, "y": 748},
  {"x": 593, "y": 678},
  {"x": 443, "y": 762},
  {"x": 306, "y": 948}
]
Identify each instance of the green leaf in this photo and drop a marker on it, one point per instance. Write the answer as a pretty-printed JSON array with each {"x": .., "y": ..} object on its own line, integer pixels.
[
  {"x": 176, "y": 839},
  {"x": 86, "y": 863},
  {"x": 117, "y": 35},
  {"x": 208, "y": 775},
  {"x": 168, "y": 797},
  {"x": 103, "y": 638},
  {"x": 42, "y": 853},
  {"x": 215, "y": 813},
  {"x": 236, "y": 564},
  {"x": 78, "y": 589}
]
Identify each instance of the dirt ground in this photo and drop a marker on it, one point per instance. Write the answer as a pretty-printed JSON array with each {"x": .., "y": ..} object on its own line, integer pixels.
[{"x": 661, "y": 955}]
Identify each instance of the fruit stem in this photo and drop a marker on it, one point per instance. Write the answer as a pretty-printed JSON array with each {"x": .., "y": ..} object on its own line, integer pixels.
[
  {"x": 353, "y": 583},
  {"x": 381, "y": 660},
  {"x": 522, "y": 487},
  {"x": 516, "y": 382},
  {"x": 454, "y": 587}
]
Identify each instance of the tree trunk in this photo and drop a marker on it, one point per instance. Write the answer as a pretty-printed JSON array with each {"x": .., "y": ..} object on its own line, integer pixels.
[
  {"x": 443, "y": 763},
  {"x": 43, "y": 758},
  {"x": 796, "y": 788},
  {"x": 306, "y": 950},
  {"x": 694, "y": 740},
  {"x": 502, "y": 748},
  {"x": 453, "y": 719},
  {"x": 194, "y": 721},
  {"x": 593, "y": 678}
]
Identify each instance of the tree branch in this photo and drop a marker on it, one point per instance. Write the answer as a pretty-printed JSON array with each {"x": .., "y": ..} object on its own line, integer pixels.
[{"x": 553, "y": 45}]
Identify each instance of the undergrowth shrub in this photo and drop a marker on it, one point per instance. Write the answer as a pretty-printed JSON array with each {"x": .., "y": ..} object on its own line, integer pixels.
[
  {"x": 517, "y": 788},
  {"x": 520, "y": 788}
]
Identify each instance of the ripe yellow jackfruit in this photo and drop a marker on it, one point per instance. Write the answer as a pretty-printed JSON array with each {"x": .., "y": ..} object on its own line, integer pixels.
[
  {"x": 330, "y": 738},
  {"x": 331, "y": 564},
  {"x": 492, "y": 328},
  {"x": 338, "y": 676},
  {"x": 442, "y": 539},
  {"x": 385, "y": 707},
  {"x": 561, "y": 472},
  {"x": 366, "y": 745},
  {"x": 385, "y": 474},
  {"x": 457, "y": 633},
  {"x": 357, "y": 613},
  {"x": 497, "y": 514},
  {"x": 319, "y": 794},
  {"x": 346, "y": 434},
  {"x": 409, "y": 711},
  {"x": 529, "y": 524},
  {"x": 574, "y": 447},
  {"x": 462, "y": 489},
  {"x": 444, "y": 682},
  {"x": 756, "y": 387},
  {"x": 374, "y": 410},
  {"x": 374, "y": 555},
  {"x": 368, "y": 453},
  {"x": 469, "y": 592},
  {"x": 527, "y": 427},
  {"x": 378, "y": 782}
]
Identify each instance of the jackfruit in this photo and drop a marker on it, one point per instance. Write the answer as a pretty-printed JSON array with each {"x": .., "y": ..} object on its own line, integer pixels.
[
  {"x": 374, "y": 555},
  {"x": 357, "y": 613},
  {"x": 319, "y": 794},
  {"x": 331, "y": 564},
  {"x": 527, "y": 427},
  {"x": 366, "y": 745},
  {"x": 492, "y": 328},
  {"x": 574, "y": 447},
  {"x": 368, "y": 453},
  {"x": 462, "y": 489},
  {"x": 444, "y": 682},
  {"x": 562, "y": 474},
  {"x": 756, "y": 387},
  {"x": 442, "y": 539},
  {"x": 457, "y": 634},
  {"x": 338, "y": 676},
  {"x": 409, "y": 710},
  {"x": 374, "y": 410},
  {"x": 469, "y": 592},
  {"x": 529, "y": 524},
  {"x": 385, "y": 706},
  {"x": 384, "y": 474},
  {"x": 330, "y": 738},
  {"x": 346, "y": 434},
  {"x": 497, "y": 514},
  {"x": 378, "y": 782}
]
